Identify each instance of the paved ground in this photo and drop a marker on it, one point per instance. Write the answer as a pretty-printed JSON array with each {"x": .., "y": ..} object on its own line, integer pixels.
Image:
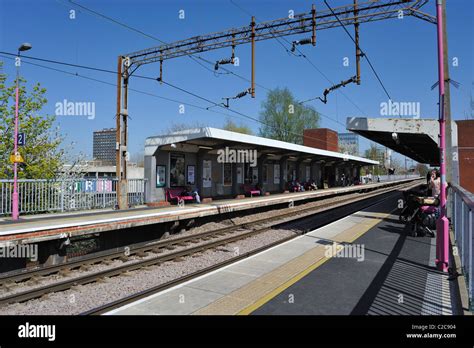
[{"x": 395, "y": 276}]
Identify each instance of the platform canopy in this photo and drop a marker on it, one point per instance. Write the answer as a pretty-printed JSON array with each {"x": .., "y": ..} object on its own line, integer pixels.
[
  {"x": 213, "y": 139},
  {"x": 414, "y": 138}
]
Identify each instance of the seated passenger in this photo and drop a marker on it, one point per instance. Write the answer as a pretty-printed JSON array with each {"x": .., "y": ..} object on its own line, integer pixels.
[
  {"x": 292, "y": 186},
  {"x": 299, "y": 187},
  {"x": 343, "y": 180},
  {"x": 259, "y": 188},
  {"x": 189, "y": 192},
  {"x": 186, "y": 191}
]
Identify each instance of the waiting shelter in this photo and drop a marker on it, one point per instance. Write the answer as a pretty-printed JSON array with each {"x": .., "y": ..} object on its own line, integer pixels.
[{"x": 219, "y": 164}]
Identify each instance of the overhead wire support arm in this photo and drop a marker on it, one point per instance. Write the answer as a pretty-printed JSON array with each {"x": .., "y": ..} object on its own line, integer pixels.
[
  {"x": 324, "y": 99},
  {"x": 300, "y": 42},
  {"x": 312, "y": 39},
  {"x": 357, "y": 47},
  {"x": 362, "y": 54},
  {"x": 230, "y": 60},
  {"x": 252, "y": 86},
  {"x": 313, "y": 24},
  {"x": 226, "y": 104}
]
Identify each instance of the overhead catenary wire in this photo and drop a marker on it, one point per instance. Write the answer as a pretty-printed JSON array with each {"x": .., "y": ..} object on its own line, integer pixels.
[
  {"x": 235, "y": 112},
  {"x": 240, "y": 113},
  {"x": 301, "y": 54},
  {"x": 75, "y": 74},
  {"x": 362, "y": 53},
  {"x": 103, "y": 16},
  {"x": 195, "y": 58},
  {"x": 310, "y": 62}
]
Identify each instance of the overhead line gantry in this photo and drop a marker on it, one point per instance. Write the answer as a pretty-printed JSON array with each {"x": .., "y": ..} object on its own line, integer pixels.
[{"x": 309, "y": 22}]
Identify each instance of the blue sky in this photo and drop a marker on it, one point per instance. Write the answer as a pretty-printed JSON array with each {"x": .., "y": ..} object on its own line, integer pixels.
[{"x": 402, "y": 51}]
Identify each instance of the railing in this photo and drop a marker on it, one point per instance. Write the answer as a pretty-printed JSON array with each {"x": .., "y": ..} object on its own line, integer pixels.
[
  {"x": 386, "y": 178},
  {"x": 462, "y": 220},
  {"x": 40, "y": 196}
]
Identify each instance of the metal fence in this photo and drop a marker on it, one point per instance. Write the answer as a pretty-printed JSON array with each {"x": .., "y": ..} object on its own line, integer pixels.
[
  {"x": 40, "y": 196},
  {"x": 386, "y": 178},
  {"x": 462, "y": 219}
]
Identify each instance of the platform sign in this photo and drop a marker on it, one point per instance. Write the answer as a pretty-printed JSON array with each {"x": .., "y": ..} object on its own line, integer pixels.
[
  {"x": 89, "y": 186},
  {"x": 206, "y": 173},
  {"x": 21, "y": 140},
  {"x": 104, "y": 185},
  {"x": 160, "y": 176},
  {"x": 16, "y": 158},
  {"x": 191, "y": 175}
]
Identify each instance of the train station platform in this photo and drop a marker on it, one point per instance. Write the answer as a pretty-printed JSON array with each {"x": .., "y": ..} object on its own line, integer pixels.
[
  {"x": 38, "y": 228},
  {"x": 381, "y": 270}
]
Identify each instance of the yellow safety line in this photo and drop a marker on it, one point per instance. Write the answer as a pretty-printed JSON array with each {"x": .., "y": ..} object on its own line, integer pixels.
[
  {"x": 281, "y": 288},
  {"x": 254, "y": 306}
]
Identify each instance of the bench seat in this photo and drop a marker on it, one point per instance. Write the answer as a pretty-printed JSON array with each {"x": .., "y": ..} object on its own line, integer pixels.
[
  {"x": 250, "y": 190},
  {"x": 175, "y": 194}
]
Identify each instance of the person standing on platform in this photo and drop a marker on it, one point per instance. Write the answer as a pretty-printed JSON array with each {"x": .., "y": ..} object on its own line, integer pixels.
[{"x": 435, "y": 183}]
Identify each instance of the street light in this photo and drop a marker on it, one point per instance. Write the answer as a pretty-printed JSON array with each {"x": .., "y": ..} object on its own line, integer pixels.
[{"x": 15, "y": 211}]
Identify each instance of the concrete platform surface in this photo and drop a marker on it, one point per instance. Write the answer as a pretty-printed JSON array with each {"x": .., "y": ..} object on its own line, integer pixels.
[{"x": 394, "y": 275}]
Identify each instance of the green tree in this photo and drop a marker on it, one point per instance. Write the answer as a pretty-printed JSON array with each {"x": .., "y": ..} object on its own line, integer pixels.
[
  {"x": 233, "y": 127},
  {"x": 42, "y": 155},
  {"x": 422, "y": 169},
  {"x": 377, "y": 154},
  {"x": 284, "y": 118}
]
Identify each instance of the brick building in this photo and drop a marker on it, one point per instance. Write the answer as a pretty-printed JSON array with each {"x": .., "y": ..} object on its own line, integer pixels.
[
  {"x": 321, "y": 138},
  {"x": 466, "y": 153}
]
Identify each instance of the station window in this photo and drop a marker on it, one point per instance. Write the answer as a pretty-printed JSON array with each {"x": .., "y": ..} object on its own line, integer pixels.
[
  {"x": 291, "y": 171},
  {"x": 250, "y": 174},
  {"x": 247, "y": 173},
  {"x": 265, "y": 173},
  {"x": 177, "y": 174},
  {"x": 227, "y": 174}
]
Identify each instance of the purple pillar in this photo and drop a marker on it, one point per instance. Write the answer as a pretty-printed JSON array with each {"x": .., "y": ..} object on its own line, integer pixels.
[
  {"x": 15, "y": 210},
  {"x": 442, "y": 225}
]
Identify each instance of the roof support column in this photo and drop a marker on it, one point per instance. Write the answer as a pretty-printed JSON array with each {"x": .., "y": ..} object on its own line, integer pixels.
[{"x": 283, "y": 161}]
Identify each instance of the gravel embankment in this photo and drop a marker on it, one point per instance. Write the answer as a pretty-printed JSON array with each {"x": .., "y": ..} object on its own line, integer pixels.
[{"x": 82, "y": 298}]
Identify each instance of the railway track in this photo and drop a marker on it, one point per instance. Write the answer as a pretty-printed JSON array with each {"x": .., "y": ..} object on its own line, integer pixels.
[{"x": 163, "y": 251}]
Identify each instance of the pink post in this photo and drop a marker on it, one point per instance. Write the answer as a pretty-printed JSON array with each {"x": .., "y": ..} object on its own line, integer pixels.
[
  {"x": 15, "y": 210},
  {"x": 442, "y": 225}
]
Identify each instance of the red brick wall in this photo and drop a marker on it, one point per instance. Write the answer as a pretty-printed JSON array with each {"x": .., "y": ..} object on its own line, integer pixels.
[
  {"x": 321, "y": 138},
  {"x": 466, "y": 153}
]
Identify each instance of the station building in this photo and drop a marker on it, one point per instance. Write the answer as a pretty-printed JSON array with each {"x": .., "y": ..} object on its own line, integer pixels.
[{"x": 218, "y": 163}]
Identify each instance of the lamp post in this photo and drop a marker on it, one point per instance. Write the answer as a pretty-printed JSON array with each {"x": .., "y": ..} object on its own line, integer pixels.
[
  {"x": 15, "y": 210},
  {"x": 442, "y": 225}
]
